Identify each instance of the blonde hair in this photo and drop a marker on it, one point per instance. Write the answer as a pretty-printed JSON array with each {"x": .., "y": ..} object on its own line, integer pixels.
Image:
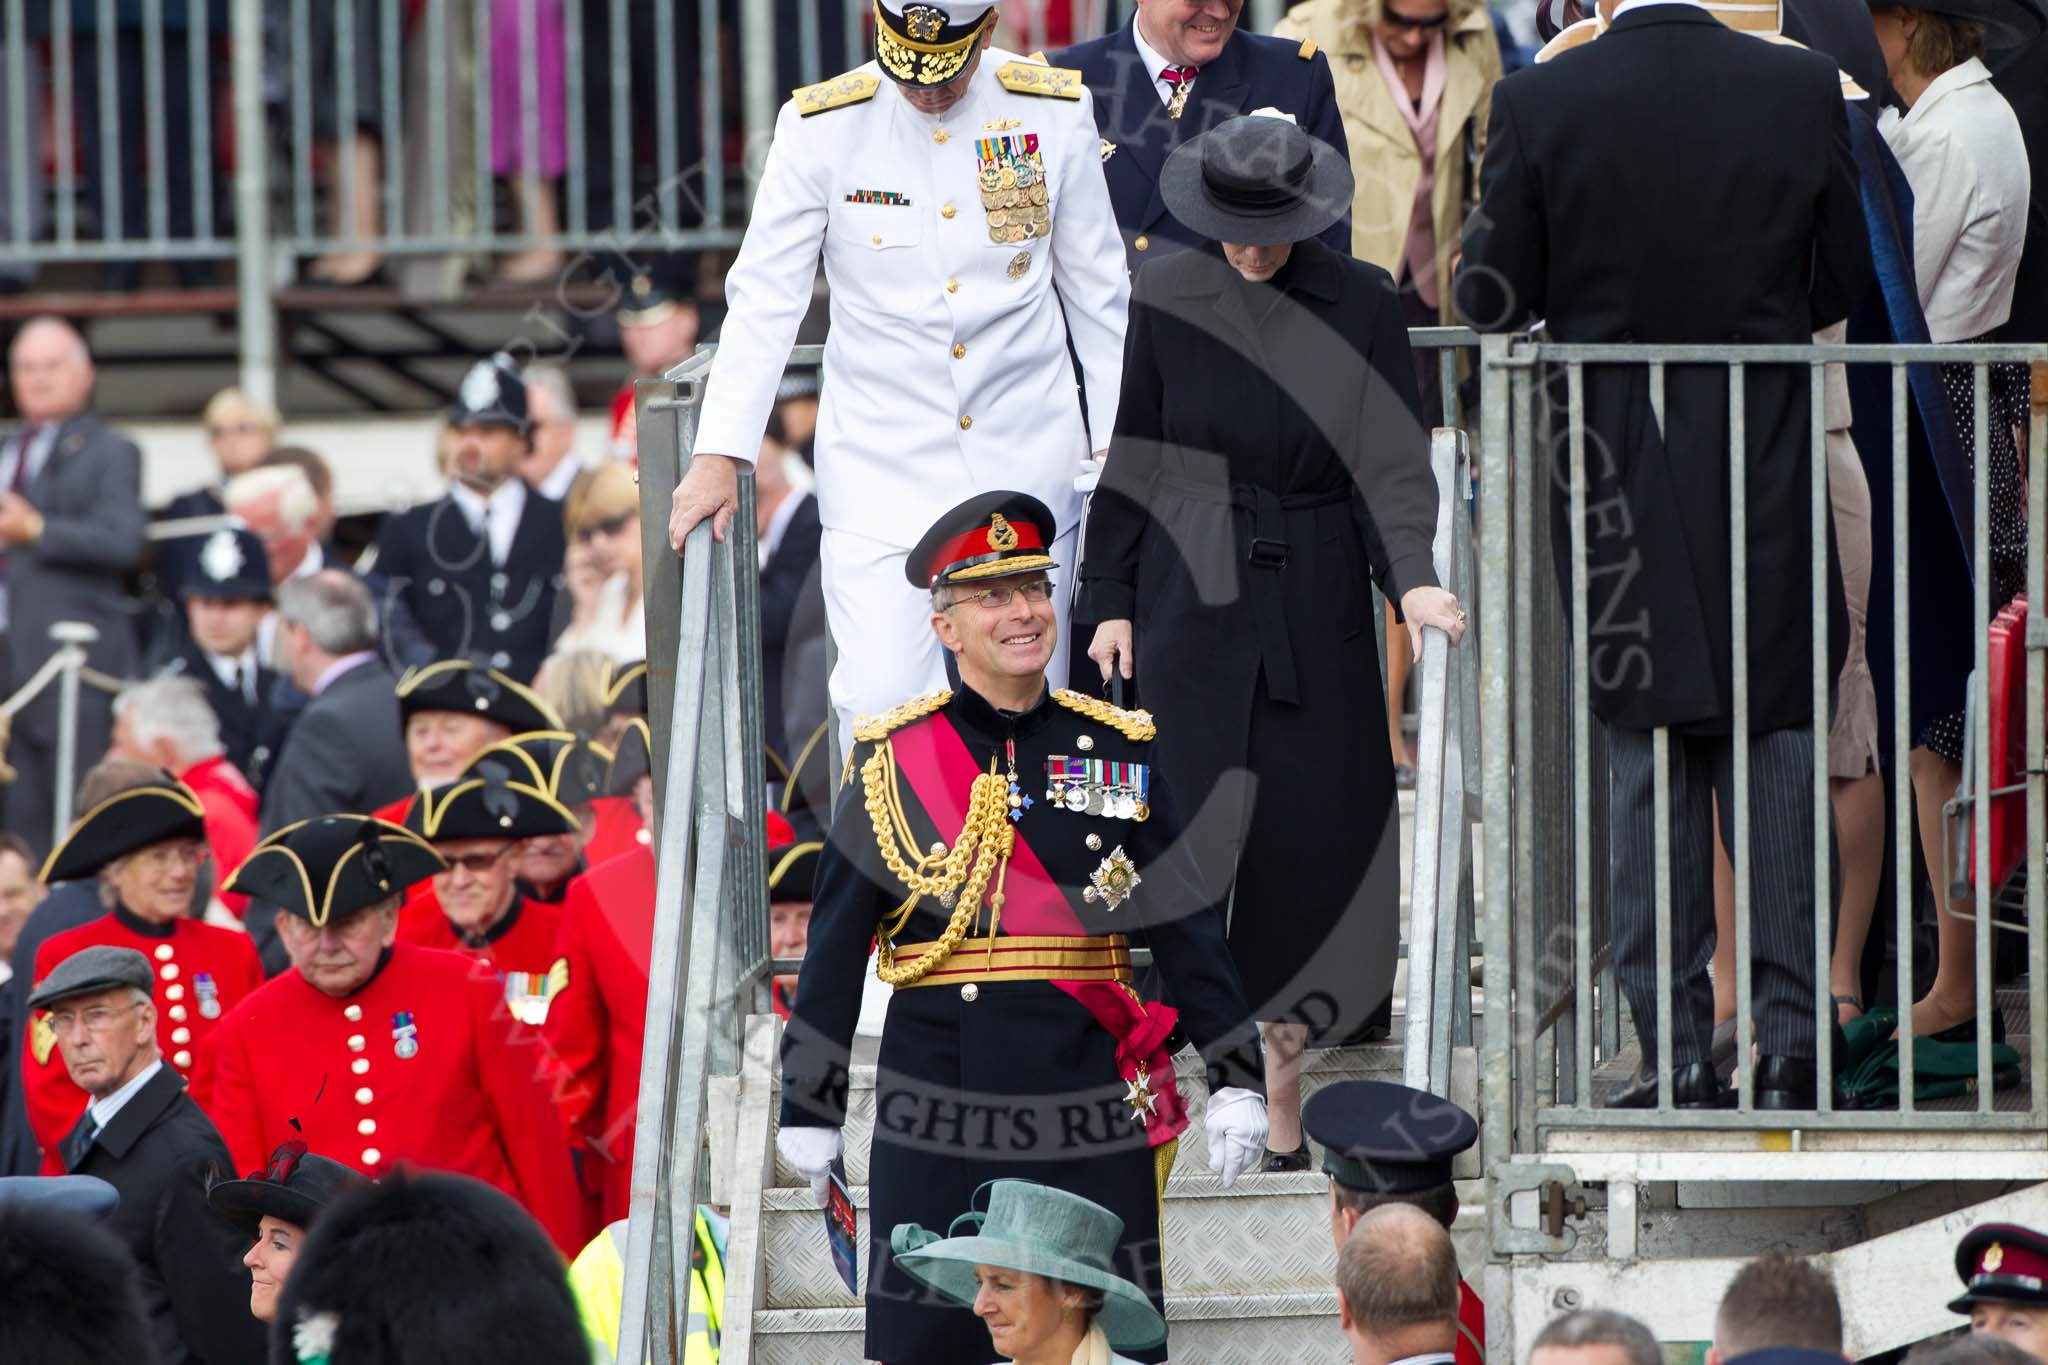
[
  {"x": 599, "y": 495},
  {"x": 234, "y": 402},
  {"x": 573, "y": 682}
]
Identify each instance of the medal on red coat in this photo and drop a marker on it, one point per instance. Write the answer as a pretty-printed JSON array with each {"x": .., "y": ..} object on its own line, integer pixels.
[
  {"x": 209, "y": 995},
  {"x": 405, "y": 1036}
]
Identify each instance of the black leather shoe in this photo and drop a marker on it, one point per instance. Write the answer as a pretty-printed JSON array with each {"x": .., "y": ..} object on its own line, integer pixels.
[
  {"x": 1785, "y": 1083},
  {"x": 1693, "y": 1086},
  {"x": 1296, "y": 1160}
]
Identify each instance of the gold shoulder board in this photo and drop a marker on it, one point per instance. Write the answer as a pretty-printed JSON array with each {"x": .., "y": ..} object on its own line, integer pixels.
[
  {"x": 1308, "y": 49},
  {"x": 867, "y": 729},
  {"x": 1031, "y": 78},
  {"x": 1132, "y": 725},
  {"x": 855, "y": 87}
]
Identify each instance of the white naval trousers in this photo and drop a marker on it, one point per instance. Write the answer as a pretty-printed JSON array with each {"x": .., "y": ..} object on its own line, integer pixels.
[{"x": 882, "y": 627}]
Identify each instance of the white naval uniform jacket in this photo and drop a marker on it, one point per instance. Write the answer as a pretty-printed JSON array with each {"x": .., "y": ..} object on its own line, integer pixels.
[{"x": 946, "y": 361}]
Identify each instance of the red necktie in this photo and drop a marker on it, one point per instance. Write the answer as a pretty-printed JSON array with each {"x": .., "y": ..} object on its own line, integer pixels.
[{"x": 1180, "y": 78}]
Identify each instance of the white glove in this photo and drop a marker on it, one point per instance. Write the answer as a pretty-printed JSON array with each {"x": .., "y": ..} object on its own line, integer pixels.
[
  {"x": 1236, "y": 1128},
  {"x": 810, "y": 1152}
]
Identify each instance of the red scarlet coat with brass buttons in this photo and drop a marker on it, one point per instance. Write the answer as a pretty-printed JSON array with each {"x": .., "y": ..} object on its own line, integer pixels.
[
  {"x": 470, "y": 1099},
  {"x": 184, "y": 955}
]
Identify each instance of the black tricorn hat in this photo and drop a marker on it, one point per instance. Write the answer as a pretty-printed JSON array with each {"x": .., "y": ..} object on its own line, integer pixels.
[
  {"x": 429, "y": 1267},
  {"x": 792, "y": 871},
  {"x": 625, "y": 689},
  {"x": 295, "y": 1189},
  {"x": 492, "y": 394},
  {"x": 567, "y": 767},
  {"x": 332, "y": 866},
  {"x": 2001, "y": 1263},
  {"x": 470, "y": 689},
  {"x": 991, "y": 535},
  {"x": 123, "y": 823},
  {"x": 1258, "y": 180},
  {"x": 633, "y": 760},
  {"x": 1386, "y": 1138},
  {"x": 487, "y": 807}
]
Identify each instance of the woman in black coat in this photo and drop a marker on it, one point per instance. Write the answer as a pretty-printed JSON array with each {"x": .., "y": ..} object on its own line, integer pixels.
[{"x": 1269, "y": 454}]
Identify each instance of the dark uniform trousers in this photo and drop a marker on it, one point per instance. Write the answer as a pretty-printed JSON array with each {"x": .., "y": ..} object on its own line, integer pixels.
[{"x": 1781, "y": 884}]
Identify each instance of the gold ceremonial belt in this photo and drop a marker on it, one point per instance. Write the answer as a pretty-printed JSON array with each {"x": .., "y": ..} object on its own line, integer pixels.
[{"x": 1025, "y": 957}]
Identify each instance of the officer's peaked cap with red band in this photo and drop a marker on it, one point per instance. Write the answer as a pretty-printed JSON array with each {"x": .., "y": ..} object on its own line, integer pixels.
[
  {"x": 2001, "y": 1263},
  {"x": 991, "y": 535}
]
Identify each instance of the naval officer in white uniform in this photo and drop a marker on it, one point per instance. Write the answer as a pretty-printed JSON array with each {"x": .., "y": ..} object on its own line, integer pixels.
[{"x": 956, "y": 195}]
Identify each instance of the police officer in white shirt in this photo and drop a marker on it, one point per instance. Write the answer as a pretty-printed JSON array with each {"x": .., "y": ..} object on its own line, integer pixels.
[{"x": 966, "y": 233}]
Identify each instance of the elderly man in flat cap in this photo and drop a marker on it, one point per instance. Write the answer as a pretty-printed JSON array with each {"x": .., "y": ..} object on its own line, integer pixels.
[{"x": 144, "y": 1136}]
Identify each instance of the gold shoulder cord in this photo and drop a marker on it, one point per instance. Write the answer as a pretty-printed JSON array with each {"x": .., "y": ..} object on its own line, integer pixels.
[{"x": 1132, "y": 725}]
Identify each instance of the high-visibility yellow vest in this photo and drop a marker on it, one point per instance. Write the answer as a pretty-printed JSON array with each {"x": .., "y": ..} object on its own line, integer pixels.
[{"x": 598, "y": 1279}]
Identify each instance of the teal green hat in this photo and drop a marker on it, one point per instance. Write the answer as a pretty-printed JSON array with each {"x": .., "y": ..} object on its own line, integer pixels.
[{"x": 1042, "y": 1231}]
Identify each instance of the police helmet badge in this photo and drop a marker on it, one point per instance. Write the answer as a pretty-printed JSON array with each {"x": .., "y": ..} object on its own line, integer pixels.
[
  {"x": 405, "y": 1036},
  {"x": 221, "y": 558},
  {"x": 209, "y": 995},
  {"x": 480, "y": 387}
]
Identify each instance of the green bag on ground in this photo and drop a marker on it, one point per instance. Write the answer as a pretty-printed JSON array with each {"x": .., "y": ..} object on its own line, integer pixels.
[{"x": 1869, "y": 1075}]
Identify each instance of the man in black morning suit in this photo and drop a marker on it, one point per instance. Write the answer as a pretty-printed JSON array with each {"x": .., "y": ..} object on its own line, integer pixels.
[
  {"x": 1177, "y": 69},
  {"x": 474, "y": 575},
  {"x": 1612, "y": 210},
  {"x": 143, "y": 1135}
]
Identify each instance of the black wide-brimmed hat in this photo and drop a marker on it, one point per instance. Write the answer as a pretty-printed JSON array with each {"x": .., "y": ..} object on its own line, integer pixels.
[
  {"x": 122, "y": 824},
  {"x": 1256, "y": 180},
  {"x": 492, "y": 394},
  {"x": 295, "y": 1189},
  {"x": 923, "y": 43},
  {"x": 991, "y": 535},
  {"x": 2001, "y": 1263},
  {"x": 2006, "y": 23},
  {"x": 467, "y": 687},
  {"x": 330, "y": 867},
  {"x": 487, "y": 807},
  {"x": 792, "y": 871},
  {"x": 567, "y": 767},
  {"x": 633, "y": 760}
]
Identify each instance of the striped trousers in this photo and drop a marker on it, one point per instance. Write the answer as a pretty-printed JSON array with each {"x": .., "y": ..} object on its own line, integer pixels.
[{"x": 1781, "y": 884}]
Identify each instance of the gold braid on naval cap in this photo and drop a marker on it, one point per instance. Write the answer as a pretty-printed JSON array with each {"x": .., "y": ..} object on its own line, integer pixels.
[{"x": 911, "y": 50}]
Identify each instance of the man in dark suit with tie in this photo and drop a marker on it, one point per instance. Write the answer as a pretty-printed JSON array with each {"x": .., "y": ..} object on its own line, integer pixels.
[
  {"x": 474, "y": 575},
  {"x": 71, "y": 524},
  {"x": 227, "y": 594},
  {"x": 1178, "y": 68},
  {"x": 143, "y": 1135},
  {"x": 1613, "y": 211}
]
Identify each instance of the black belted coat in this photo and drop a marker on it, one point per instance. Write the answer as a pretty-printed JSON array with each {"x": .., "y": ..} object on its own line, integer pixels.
[{"x": 1269, "y": 454}]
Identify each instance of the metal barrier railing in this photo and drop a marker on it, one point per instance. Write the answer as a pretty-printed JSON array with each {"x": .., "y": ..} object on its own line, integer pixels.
[
  {"x": 1552, "y": 1009},
  {"x": 67, "y": 669}
]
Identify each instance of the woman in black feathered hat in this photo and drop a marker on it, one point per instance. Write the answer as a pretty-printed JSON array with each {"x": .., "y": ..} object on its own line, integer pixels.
[{"x": 275, "y": 1209}]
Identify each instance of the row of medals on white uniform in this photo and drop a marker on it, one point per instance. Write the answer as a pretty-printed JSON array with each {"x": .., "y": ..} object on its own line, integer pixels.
[{"x": 1014, "y": 199}]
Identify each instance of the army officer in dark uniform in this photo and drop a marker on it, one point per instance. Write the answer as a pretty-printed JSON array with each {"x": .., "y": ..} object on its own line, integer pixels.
[
  {"x": 474, "y": 575},
  {"x": 1004, "y": 843},
  {"x": 2004, "y": 1269},
  {"x": 226, "y": 592}
]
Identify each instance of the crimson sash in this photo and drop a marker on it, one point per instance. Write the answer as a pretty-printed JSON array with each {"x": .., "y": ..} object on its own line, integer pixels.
[{"x": 934, "y": 760}]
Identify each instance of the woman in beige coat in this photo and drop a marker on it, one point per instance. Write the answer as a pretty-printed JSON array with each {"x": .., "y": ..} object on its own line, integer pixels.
[{"x": 1414, "y": 82}]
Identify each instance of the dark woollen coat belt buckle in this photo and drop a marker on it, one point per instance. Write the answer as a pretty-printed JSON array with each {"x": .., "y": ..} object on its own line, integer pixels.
[{"x": 1267, "y": 553}]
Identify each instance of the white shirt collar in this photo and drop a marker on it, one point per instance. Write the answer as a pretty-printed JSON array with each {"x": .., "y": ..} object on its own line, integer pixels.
[
  {"x": 1154, "y": 63},
  {"x": 1438, "y": 1357},
  {"x": 104, "y": 1109},
  {"x": 1626, "y": 5},
  {"x": 506, "y": 504},
  {"x": 1957, "y": 77},
  {"x": 778, "y": 522},
  {"x": 228, "y": 668},
  {"x": 313, "y": 563}
]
